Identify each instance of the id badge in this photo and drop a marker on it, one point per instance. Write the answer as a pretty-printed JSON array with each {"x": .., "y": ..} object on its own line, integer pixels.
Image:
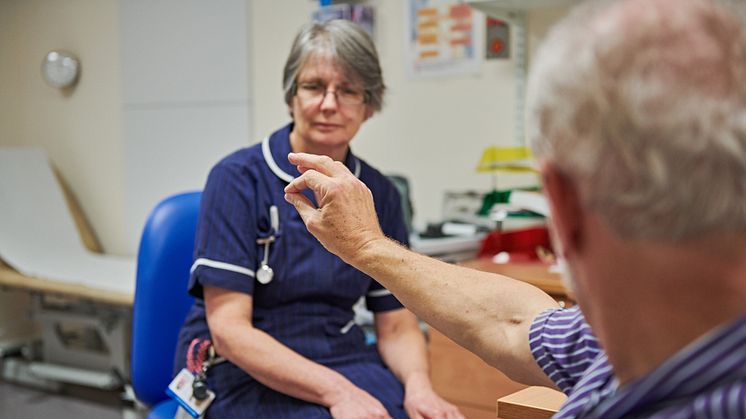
[{"x": 181, "y": 390}]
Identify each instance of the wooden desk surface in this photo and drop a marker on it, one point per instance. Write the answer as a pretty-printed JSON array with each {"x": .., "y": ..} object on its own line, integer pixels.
[
  {"x": 534, "y": 273},
  {"x": 530, "y": 403}
]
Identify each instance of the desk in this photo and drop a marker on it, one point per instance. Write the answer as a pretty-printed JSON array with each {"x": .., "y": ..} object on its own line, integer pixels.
[
  {"x": 463, "y": 378},
  {"x": 530, "y": 403},
  {"x": 534, "y": 273}
]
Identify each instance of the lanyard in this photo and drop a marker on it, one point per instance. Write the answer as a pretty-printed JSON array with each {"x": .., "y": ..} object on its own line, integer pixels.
[{"x": 199, "y": 363}]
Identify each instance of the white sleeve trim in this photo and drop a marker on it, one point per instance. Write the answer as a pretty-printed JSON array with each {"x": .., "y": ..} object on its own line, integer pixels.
[
  {"x": 379, "y": 293},
  {"x": 221, "y": 265}
]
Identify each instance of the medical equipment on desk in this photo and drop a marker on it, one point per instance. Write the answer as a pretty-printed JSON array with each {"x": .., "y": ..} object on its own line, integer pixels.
[{"x": 265, "y": 273}]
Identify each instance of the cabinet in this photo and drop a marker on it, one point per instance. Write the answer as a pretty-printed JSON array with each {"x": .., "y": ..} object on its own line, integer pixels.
[{"x": 463, "y": 378}]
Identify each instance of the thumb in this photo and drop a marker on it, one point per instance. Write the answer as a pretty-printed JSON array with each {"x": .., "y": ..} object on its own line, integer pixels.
[{"x": 302, "y": 204}]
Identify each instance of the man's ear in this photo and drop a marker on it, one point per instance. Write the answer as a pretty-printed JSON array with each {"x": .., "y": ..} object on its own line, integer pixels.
[{"x": 566, "y": 208}]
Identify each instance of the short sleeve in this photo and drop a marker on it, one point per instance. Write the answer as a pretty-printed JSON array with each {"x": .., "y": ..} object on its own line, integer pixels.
[
  {"x": 225, "y": 254},
  {"x": 391, "y": 217},
  {"x": 563, "y": 345}
]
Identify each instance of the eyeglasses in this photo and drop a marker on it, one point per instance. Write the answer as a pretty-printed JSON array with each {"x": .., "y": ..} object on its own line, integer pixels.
[{"x": 314, "y": 93}]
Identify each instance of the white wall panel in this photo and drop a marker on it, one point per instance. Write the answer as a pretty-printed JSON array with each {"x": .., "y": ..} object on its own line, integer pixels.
[
  {"x": 171, "y": 150},
  {"x": 185, "y": 96},
  {"x": 184, "y": 51}
]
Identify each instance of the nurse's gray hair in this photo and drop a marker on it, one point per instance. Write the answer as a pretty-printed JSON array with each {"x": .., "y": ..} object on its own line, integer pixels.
[
  {"x": 349, "y": 46},
  {"x": 643, "y": 104}
]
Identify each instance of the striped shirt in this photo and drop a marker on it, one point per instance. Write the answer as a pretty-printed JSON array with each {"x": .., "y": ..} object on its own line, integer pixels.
[{"x": 706, "y": 379}]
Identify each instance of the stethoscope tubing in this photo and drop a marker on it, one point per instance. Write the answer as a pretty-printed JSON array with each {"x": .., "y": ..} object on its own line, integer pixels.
[{"x": 265, "y": 273}]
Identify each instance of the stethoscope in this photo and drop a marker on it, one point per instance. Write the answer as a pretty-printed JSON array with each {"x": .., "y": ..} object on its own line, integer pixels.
[{"x": 265, "y": 273}]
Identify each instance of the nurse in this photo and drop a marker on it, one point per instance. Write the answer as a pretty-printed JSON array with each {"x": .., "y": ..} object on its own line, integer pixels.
[{"x": 269, "y": 297}]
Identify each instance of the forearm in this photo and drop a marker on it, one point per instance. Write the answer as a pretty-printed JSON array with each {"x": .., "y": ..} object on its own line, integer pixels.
[
  {"x": 488, "y": 314},
  {"x": 404, "y": 352},
  {"x": 280, "y": 368}
]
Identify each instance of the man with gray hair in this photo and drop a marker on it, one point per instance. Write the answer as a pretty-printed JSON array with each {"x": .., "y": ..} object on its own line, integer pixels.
[{"x": 639, "y": 125}]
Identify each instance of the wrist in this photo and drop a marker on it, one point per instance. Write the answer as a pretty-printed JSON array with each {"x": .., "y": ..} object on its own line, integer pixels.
[
  {"x": 371, "y": 251},
  {"x": 336, "y": 391},
  {"x": 417, "y": 380}
]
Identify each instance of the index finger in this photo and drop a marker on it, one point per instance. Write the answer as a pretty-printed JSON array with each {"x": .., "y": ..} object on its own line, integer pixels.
[
  {"x": 310, "y": 179},
  {"x": 319, "y": 163}
]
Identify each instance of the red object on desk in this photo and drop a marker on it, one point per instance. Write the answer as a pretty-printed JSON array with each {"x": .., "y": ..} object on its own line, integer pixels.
[{"x": 520, "y": 244}]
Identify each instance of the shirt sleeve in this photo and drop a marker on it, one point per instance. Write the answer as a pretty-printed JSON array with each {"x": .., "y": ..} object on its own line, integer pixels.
[
  {"x": 563, "y": 345},
  {"x": 390, "y": 212},
  {"x": 225, "y": 252}
]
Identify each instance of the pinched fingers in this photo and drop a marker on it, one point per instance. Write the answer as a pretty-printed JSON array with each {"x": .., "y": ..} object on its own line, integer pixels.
[
  {"x": 320, "y": 163},
  {"x": 311, "y": 179},
  {"x": 304, "y": 207}
]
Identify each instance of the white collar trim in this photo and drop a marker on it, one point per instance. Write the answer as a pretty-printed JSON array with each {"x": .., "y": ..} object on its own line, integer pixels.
[{"x": 267, "y": 153}]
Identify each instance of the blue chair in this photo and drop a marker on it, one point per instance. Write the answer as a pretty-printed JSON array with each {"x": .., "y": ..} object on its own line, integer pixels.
[{"x": 161, "y": 299}]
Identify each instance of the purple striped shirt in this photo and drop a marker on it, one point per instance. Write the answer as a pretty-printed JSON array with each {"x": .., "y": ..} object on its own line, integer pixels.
[{"x": 707, "y": 379}]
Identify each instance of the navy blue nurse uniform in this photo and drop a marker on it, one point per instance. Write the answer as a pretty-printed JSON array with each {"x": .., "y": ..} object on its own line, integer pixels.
[{"x": 308, "y": 304}]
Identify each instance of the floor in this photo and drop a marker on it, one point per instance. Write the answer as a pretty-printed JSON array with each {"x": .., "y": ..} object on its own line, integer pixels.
[{"x": 72, "y": 402}]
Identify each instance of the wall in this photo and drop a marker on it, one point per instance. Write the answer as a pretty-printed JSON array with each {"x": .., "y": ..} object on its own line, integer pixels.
[
  {"x": 185, "y": 96},
  {"x": 432, "y": 131},
  {"x": 81, "y": 132},
  {"x": 162, "y": 96},
  {"x": 109, "y": 142}
]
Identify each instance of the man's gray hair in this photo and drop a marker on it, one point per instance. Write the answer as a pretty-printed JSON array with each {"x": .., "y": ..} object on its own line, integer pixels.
[
  {"x": 349, "y": 46},
  {"x": 643, "y": 103}
]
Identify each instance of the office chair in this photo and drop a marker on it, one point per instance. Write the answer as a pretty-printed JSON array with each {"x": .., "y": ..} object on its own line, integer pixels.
[
  {"x": 161, "y": 299},
  {"x": 402, "y": 185}
]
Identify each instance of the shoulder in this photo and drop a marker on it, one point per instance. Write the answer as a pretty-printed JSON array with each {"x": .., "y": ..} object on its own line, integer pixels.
[
  {"x": 570, "y": 324},
  {"x": 239, "y": 163},
  {"x": 563, "y": 345}
]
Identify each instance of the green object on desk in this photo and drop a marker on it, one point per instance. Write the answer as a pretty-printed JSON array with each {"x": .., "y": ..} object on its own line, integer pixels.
[
  {"x": 503, "y": 197},
  {"x": 492, "y": 198}
]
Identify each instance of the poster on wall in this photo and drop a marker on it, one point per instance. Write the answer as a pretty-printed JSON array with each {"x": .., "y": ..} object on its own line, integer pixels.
[
  {"x": 442, "y": 39},
  {"x": 358, "y": 13}
]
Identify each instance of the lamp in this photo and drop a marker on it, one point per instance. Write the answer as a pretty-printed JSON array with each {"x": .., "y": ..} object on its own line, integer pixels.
[
  {"x": 509, "y": 159},
  {"x": 506, "y": 159}
]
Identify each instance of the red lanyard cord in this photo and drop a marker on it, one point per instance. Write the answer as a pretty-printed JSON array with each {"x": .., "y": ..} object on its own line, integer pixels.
[{"x": 195, "y": 364}]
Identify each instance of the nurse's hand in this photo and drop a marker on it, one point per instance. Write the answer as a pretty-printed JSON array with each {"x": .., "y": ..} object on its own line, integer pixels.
[
  {"x": 421, "y": 402},
  {"x": 358, "y": 404},
  {"x": 345, "y": 221}
]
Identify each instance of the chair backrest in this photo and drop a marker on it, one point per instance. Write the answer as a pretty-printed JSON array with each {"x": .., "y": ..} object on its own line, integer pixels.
[
  {"x": 402, "y": 185},
  {"x": 161, "y": 298}
]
